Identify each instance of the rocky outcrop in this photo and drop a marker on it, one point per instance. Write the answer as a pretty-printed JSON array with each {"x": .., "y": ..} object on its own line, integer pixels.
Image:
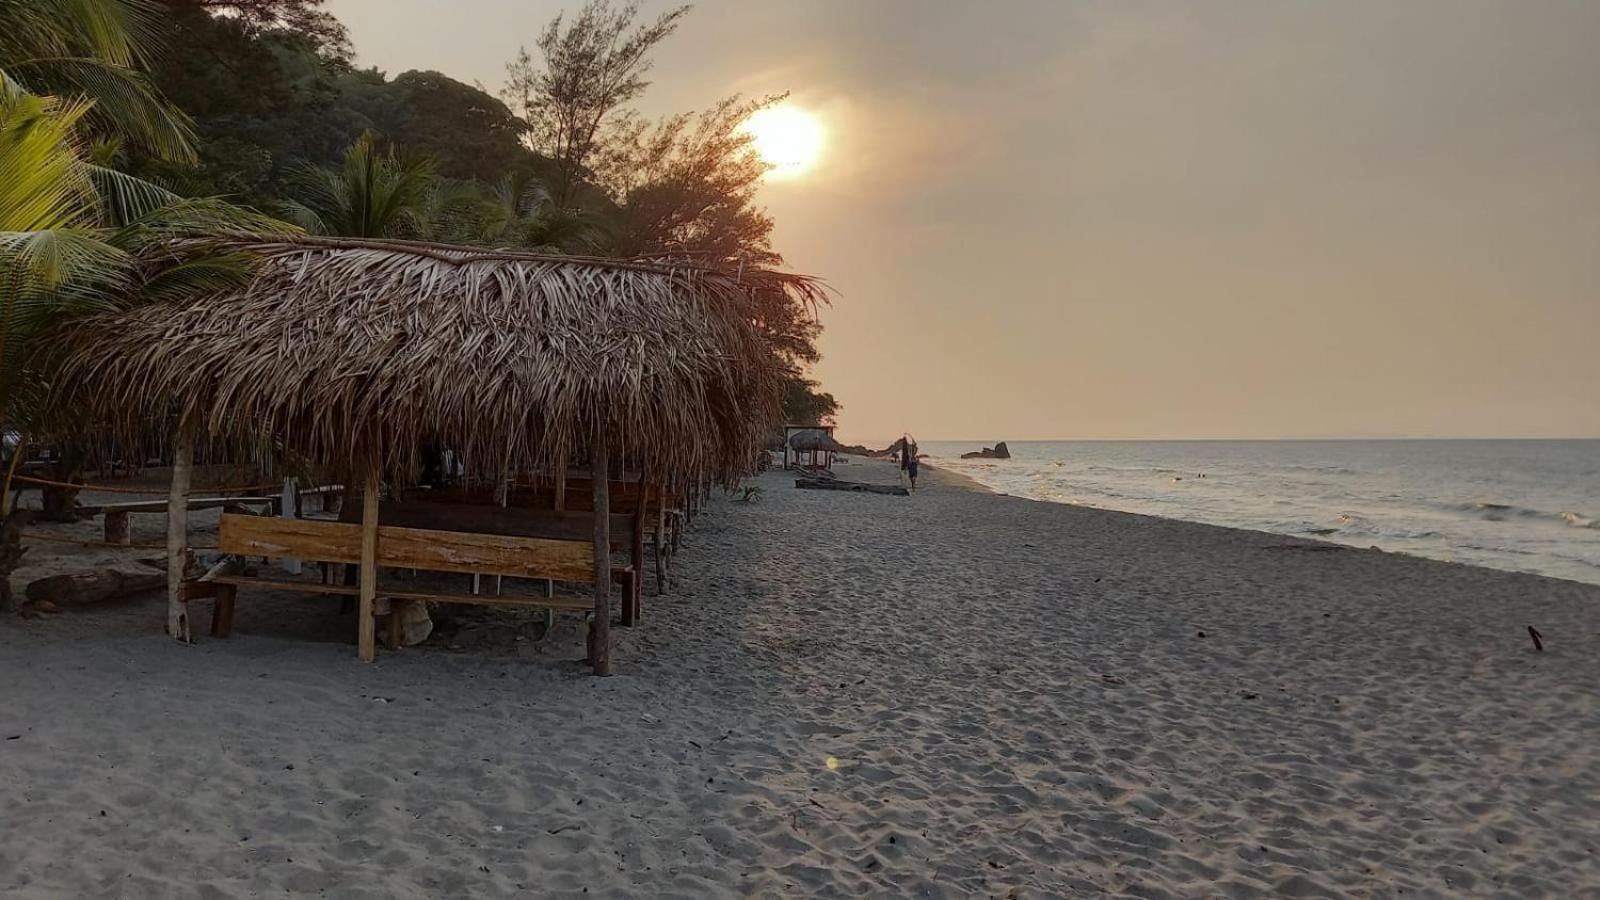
[{"x": 998, "y": 451}]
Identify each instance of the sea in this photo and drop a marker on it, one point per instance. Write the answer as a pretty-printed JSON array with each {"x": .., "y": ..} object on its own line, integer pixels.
[{"x": 1522, "y": 505}]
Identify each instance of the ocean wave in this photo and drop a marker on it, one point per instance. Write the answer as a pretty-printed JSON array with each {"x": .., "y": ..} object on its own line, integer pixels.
[{"x": 1500, "y": 512}]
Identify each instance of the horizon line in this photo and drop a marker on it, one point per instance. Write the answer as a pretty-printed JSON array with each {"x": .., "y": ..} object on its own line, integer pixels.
[{"x": 1238, "y": 440}]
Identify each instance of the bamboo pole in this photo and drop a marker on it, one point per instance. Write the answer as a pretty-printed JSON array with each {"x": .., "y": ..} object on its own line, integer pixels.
[
  {"x": 631, "y": 604},
  {"x": 367, "y": 628},
  {"x": 178, "y": 529},
  {"x": 600, "y": 631}
]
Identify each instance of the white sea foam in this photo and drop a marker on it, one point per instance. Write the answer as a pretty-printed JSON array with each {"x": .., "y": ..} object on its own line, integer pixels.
[{"x": 1520, "y": 505}]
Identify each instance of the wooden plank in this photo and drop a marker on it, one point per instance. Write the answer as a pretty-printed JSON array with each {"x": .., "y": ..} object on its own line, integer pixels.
[
  {"x": 418, "y": 510},
  {"x": 334, "y": 542},
  {"x": 366, "y": 624},
  {"x": 409, "y": 548},
  {"x": 490, "y": 554},
  {"x": 600, "y": 629},
  {"x": 160, "y": 506},
  {"x": 579, "y": 496},
  {"x": 307, "y": 587},
  {"x": 564, "y": 604},
  {"x": 178, "y": 529}
]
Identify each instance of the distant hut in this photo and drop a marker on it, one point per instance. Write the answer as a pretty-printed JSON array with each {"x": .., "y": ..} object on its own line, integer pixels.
[
  {"x": 814, "y": 445},
  {"x": 355, "y": 354}
]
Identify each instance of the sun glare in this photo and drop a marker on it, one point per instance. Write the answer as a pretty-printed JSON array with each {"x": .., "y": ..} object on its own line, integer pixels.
[{"x": 787, "y": 138}]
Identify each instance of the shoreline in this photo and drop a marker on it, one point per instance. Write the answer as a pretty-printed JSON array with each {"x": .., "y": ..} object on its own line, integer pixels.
[{"x": 967, "y": 482}]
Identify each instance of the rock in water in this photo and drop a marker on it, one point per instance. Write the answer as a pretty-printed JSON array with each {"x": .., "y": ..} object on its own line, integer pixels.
[{"x": 998, "y": 451}]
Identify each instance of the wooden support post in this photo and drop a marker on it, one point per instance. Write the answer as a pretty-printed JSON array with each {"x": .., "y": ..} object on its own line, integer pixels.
[
  {"x": 561, "y": 487},
  {"x": 631, "y": 604},
  {"x": 178, "y": 529},
  {"x": 660, "y": 545},
  {"x": 366, "y": 632},
  {"x": 600, "y": 631},
  {"x": 502, "y": 498},
  {"x": 289, "y": 508},
  {"x": 119, "y": 528}
]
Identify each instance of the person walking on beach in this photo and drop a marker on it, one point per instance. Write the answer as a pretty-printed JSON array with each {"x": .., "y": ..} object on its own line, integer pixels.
[{"x": 908, "y": 459}]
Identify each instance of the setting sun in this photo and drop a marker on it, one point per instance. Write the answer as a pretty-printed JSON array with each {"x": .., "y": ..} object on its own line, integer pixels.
[{"x": 787, "y": 138}]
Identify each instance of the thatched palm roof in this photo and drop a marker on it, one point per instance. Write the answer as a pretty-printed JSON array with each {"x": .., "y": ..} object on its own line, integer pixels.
[
  {"x": 814, "y": 439},
  {"x": 339, "y": 349}
]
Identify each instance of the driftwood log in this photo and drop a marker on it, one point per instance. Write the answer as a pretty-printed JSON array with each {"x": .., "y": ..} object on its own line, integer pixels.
[
  {"x": 79, "y": 588},
  {"x": 834, "y": 484}
]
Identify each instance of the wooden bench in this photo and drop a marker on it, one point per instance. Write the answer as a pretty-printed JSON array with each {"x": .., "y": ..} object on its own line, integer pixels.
[
  {"x": 118, "y": 526},
  {"x": 428, "y": 549},
  {"x": 659, "y": 524},
  {"x": 435, "y": 509}
]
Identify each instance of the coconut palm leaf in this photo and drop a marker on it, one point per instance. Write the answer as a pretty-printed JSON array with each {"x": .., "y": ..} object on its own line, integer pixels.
[
  {"x": 125, "y": 101},
  {"x": 112, "y": 30},
  {"x": 42, "y": 183},
  {"x": 125, "y": 198},
  {"x": 374, "y": 193}
]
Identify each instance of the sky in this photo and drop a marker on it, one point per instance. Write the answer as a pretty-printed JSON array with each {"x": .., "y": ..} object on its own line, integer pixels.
[{"x": 1048, "y": 219}]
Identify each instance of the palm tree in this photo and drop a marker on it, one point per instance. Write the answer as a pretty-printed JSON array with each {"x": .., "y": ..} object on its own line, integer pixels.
[
  {"x": 93, "y": 51},
  {"x": 72, "y": 235},
  {"x": 72, "y": 227},
  {"x": 374, "y": 194},
  {"x": 520, "y": 211}
]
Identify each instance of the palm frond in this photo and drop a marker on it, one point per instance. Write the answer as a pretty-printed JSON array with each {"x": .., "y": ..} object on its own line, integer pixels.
[
  {"x": 125, "y": 101},
  {"x": 38, "y": 262},
  {"x": 117, "y": 31},
  {"x": 126, "y": 198},
  {"x": 42, "y": 183}
]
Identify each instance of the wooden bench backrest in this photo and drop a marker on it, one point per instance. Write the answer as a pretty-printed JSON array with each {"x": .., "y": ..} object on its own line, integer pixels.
[
  {"x": 624, "y": 498},
  {"x": 422, "y": 511},
  {"x": 409, "y": 548}
]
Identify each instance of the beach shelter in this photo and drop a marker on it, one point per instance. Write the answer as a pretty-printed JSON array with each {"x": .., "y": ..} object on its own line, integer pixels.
[
  {"x": 815, "y": 444},
  {"x": 353, "y": 354}
]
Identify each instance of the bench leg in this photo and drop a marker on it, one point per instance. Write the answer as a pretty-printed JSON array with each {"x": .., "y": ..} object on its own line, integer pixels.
[
  {"x": 222, "y": 611},
  {"x": 661, "y": 562},
  {"x": 119, "y": 528},
  {"x": 630, "y": 606},
  {"x": 396, "y": 632}
]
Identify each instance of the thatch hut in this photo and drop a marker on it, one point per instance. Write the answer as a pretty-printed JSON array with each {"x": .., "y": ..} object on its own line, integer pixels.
[
  {"x": 813, "y": 442},
  {"x": 356, "y": 353}
]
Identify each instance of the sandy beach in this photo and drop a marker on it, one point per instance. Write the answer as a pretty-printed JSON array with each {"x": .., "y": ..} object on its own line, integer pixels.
[{"x": 955, "y": 694}]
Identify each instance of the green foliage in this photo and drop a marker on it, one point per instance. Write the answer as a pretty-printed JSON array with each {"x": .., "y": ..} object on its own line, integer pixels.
[
  {"x": 72, "y": 225},
  {"x": 90, "y": 50},
  {"x": 592, "y": 68},
  {"x": 803, "y": 404},
  {"x": 375, "y": 193}
]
